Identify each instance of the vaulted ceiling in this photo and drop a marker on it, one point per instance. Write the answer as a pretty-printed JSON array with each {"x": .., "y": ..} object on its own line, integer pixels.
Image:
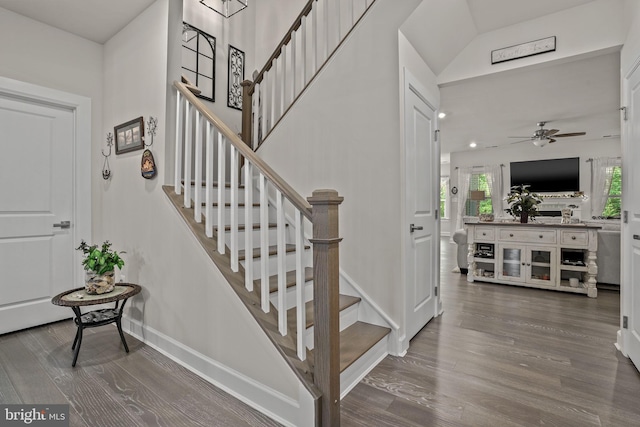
[{"x": 571, "y": 96}]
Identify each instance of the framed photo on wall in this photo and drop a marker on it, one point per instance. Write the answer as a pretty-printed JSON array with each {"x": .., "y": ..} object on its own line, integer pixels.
[
  {"x": 236, "y": 76},
  {"x": 129, "y": 136}
]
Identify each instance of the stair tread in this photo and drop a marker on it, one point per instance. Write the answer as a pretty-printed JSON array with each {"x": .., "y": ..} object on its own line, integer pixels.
[
  {"x": 357, "y": 339},
  {"x": 215, "y": 184},
  {"x": 242, "y": 227},
  {"x": 344, "y": 302},
  {"x": 273, "y": 250},
  {"x": 228, "y": 205},
  {"x": 289, "y": 281}
]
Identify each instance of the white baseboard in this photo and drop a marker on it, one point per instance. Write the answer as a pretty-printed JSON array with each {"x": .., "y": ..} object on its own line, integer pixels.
[{"x": 270, "y": 402}]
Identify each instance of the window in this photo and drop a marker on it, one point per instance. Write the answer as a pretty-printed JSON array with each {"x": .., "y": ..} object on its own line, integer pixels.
[
  {"x": 612, "y": 207},
  {"x": 478, "y": 203},
  {"x": 444, "y": 191},
  {"x": 199, "y": 60}
]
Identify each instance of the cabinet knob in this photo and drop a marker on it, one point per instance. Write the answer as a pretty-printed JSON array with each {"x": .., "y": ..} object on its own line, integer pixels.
[
  {"x": 523, "y": 263},
  {"x": 573, "y": 237},
  {"x": 540, "y": 236},
  {"x": 528, "y": 265},
  {"x": 484, "y": 234},
  {"x": 511, "y": 235}
]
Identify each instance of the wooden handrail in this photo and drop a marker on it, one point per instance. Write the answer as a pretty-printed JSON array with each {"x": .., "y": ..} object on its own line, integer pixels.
[
  {"x": 296, "y": 199},
  {"x": 276, "y": 53}
]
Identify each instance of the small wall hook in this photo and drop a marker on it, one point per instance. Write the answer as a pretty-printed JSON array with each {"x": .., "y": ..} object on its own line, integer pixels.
[{"x": 106, "y": 171}]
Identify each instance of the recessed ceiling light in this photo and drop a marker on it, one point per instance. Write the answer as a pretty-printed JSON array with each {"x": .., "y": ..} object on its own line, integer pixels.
[
  {"x": 442, "y": 115},
  {"x": 473, "y": 145}
]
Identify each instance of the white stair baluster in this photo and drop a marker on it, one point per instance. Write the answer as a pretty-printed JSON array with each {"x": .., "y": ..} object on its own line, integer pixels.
[
  {"x": 264, "y": 244},
  {"x": 233, "y": 240},
  {"x": 257, "y": 114},
  {"x": 301, "y": 320},
  {"x": 283, "y": 79},
  {"x": 325, "y": 24},
  {"x": 248, "y": 225},
  {"x": 273, "y": 90},
  {"x": 314, "y": 40},
  {"x": 292, "y": 59},
  {"x": 303, "y": 52},
  {"x": 197, "y": 178},
  {"x": 188, "y": 148},
  {"x": 177, "y": 185},
  {"x": 266, "y": 105},
  {"x": 221, "y": 190},
  {"x": 281, "y": 263},
  {"x": 208, "y": 210}
]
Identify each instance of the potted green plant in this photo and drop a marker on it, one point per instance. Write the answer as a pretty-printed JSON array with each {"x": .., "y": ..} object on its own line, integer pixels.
[
  {"x": 99, "y": 265},
  {"x": 523, "y": 203}
]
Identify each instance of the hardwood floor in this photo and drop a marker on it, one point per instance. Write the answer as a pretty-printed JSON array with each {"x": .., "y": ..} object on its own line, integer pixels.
[
  {"x": 498, "y": 356},
  {"x": 504, "y": 356},
  {"x": 109, "y": 387}
]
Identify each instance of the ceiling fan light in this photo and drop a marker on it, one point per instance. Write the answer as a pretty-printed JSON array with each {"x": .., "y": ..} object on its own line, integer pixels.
[{"x": 539, "y": 142}]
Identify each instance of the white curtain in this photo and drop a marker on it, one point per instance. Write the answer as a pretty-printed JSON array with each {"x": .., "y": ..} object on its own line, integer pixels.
[
  {"x": 464, "y": 181},
  {"x": 494, "y": 180},
  {"x": 601, "y": 174}
]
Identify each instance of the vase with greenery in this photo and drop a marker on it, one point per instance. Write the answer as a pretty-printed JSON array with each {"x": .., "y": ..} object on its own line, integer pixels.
[
  {"x": 523, "y": 203},
  {"x": 99, "y": 265}
]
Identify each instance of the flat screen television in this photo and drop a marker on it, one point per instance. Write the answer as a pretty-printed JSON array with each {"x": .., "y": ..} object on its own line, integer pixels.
[{"x": 548, "y": 176}]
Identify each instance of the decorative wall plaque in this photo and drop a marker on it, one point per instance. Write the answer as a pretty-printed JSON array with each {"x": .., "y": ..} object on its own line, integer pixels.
[
  {"x": 523, "y": 50},
  {"x": 236, "y": 76}
]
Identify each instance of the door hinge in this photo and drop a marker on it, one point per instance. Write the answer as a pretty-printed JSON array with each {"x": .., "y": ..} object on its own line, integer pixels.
[
  {"x": 624, "y": 113},
  {"x": 436, "y": 134},
  {"x": 436, "y": 213},
  {"x": 625, "y": 322},
  {"x": 625, "y": 217},
  {"x": 436, "y": 291}
]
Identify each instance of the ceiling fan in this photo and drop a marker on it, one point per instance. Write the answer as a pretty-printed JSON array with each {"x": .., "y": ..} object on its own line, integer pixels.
[{"x": 542, "y": 136}]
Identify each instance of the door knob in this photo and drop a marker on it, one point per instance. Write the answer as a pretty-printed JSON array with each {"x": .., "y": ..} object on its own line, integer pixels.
[
  {"x": 63, "y": 224},
  {"x": 413, "y": 227}
]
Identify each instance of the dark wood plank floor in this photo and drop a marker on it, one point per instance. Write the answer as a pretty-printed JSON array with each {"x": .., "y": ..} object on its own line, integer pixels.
[
  {"x": 109, "y": 387},
  {"x": 498, "y": 356},
  {"x": 504, "y": 356}
]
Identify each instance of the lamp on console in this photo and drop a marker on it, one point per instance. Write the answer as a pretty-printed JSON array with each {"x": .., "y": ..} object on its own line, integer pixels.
[{"x": 477, "y": 196}]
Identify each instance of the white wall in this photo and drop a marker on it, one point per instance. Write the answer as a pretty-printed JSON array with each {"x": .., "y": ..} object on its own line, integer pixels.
[
  {"x": 580, "y": 30},
  {"x": 256, "y": 31},
  {"x": 344, "y": 133},
  {"x": 631, "y": 49},
  {"x": 526, "y": 151},
  {"x": 238, "y": 31},
  {"x": 36, "y": 53},
  {"x": 185, "y": 300}
]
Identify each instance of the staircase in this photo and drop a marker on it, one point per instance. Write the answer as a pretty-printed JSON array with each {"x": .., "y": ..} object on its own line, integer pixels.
[
  {"x": 277, "y": 250},
  {"x": 254, "y": 228}
]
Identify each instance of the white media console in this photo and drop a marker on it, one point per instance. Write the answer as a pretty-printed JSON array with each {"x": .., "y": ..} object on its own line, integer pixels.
[{"x": 546, "y": 256}]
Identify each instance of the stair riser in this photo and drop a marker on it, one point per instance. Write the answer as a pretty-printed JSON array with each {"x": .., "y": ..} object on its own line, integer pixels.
[
  {"x": 255, "y": 215},
  {"x": 290, "y": 296},
  {"x": 272, "y": 237},
  {"x": 348, "y": 317},
  {"x": 227, "y": 195},
  {"x": 290, "y": 263}
]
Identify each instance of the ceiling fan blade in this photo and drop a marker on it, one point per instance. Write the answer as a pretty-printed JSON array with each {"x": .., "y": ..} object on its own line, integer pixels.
[
  {"x": 562, "y": 135},
  {"x": 551, "y": 132},
  {"x": 551, "y": 140}
]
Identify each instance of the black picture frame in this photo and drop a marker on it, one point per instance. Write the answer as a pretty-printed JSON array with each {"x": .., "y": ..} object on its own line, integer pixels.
[
  {"x": 235, "y": 78},
  {"x": 129, "y": 136},
  {"x": 199, "y": 60}
]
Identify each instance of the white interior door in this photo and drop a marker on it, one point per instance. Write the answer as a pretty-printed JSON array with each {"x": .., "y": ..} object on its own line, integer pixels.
[
  {"x": 422, "y": 170},
  {"x": 630, "y": 289},
  {"x": 36, "y": 172}
]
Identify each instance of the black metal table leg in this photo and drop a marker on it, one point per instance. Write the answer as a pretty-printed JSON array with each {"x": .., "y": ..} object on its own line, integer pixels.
[{"x": 78, "y": 339}]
